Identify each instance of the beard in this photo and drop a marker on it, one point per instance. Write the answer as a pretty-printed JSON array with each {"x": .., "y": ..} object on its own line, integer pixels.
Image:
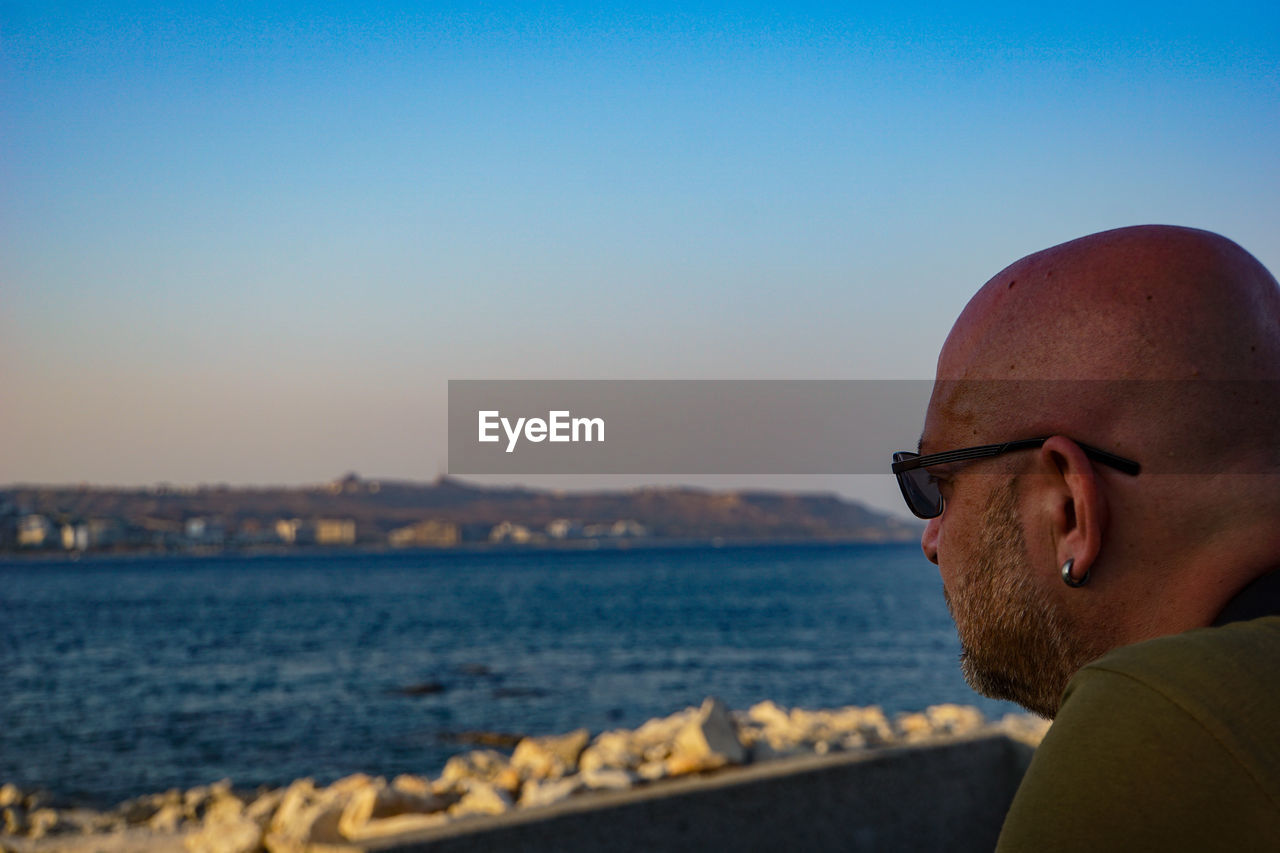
[{"x": 1015, "y": 644}]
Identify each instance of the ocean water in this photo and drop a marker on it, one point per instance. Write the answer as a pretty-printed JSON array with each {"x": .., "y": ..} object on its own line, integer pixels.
[{"x": 126, "y": 676}]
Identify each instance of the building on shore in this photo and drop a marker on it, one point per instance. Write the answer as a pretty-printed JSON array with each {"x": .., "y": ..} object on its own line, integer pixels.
[
  {"x": 622, "y": 528},
  {"x": 201, "y": 530},
  {"x": 319, "y": 531},
  {"x": 335, "y": 531},
  {"x": 35, "y": 531},
  {"x": 509, "y": 531},
  {"x": 425, "y": 534},
  {"x": 564, "y": 528},
  {"x": 295, "y": 531},
  {"x": 75, "y": 536}
]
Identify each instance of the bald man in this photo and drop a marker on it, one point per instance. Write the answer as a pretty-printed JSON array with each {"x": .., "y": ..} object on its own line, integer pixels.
[{"x": 1100, "y": 467}]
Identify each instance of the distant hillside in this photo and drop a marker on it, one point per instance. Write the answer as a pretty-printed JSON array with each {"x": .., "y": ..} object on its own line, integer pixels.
[{"x": 377, "y": 508}]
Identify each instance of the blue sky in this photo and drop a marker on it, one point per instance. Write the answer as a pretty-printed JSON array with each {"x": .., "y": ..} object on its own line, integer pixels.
[{"x": 251, "y": 245}]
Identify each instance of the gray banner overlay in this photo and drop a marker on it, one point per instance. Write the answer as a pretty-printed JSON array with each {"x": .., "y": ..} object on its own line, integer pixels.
[
  {"x": 690, "y": 426},
  {"x": 786, "y": 427}
]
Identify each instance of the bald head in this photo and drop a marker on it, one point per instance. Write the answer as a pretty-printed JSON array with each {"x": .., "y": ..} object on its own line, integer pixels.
[
  {"x": 1148, "y": 302},
  {"x": 1158, "y": 341}
]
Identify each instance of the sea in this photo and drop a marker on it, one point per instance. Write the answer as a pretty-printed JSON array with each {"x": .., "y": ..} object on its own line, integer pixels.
[{"x": 125, "y": 676}]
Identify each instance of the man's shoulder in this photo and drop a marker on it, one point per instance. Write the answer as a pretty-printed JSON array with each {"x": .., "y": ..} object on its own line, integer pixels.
[
  {"x": 1227, "y": 671},
  {"x": 1173, "y": 741},
  {"x": 1220, "y": 679},
  {"x": 1244, "y": 648}
]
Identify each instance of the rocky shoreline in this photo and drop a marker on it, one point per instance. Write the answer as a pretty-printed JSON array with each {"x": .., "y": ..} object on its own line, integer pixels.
[{"x": 539, "y": 772}]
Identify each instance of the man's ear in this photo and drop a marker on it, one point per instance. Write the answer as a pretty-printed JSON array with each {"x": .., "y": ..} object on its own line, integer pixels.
[{"x": 1077, "y": 509}]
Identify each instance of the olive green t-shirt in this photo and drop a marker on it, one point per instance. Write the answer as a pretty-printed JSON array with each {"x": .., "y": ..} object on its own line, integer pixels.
[{"x": 1170, "y": 744}]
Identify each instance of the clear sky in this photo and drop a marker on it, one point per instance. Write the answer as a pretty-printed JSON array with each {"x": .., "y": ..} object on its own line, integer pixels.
[{"x": 250, "y": 246}]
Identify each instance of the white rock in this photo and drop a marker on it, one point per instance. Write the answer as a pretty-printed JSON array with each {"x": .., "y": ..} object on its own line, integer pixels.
[
  {"x": 535, "y": 794},
  {"x": 748, "y": 732},
  {"x": 485, "y": 764},
  {"x": 710, "y": 734},
  {"x": 614, "y": 749},
  {"x": 197, "y": 802},
  {"x": 261, "y": 810},
  {"x": 482, "y": 798},
  {"x": 549, "y": 757},
  {"x": 10, "y": 795},
  {"x": 810, "y": 726},
  {"x": 226, "y": 835},
  {"x": 293, "y": 800},
  {"x": 377, "y": 810},
  {"x": 874, "y": 726},
  {"x": 652, "y": 771},
  {"x": 913, "y": 727},
  {"x": 307, "y": 816},
  {"x": 15, "y": 821},
  {"x": 954, "y": 719},
  {"x": 661, "y": 730},
  {"x": 853, "y": 741},
  {"x": 352, "y": 783},
  {"x": 768, "y": 714},
  {"x": 41, "y": 822},
  {"x": 844, "y": 720},
  {"x": 168, "y": 819},
  {"x": 400, "y": 824},
  {"x": 412, "y": 784},
  {"x": 611, "y": 779},
  {"x": 223, "y": 807},
  {"x": 197, "y": 795}
]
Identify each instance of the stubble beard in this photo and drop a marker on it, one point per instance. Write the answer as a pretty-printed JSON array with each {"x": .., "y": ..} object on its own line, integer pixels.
[{"x": 1015, "y": 644}]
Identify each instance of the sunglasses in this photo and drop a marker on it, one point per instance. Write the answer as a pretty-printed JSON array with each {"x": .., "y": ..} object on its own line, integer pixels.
[{"x": 921, "y": 490}]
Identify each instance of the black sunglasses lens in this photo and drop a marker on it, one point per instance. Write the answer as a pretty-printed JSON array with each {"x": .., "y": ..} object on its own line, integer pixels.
[{"x": 920, "y": 491}]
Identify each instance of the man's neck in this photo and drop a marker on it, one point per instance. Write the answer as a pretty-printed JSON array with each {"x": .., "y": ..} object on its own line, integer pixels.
[{"x": 1261, "y": 597}]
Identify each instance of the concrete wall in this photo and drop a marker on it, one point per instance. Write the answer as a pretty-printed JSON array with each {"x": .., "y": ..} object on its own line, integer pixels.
[{"x": 945, "y": 796}]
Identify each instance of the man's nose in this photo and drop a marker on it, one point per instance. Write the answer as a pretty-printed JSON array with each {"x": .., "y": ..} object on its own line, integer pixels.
[{"x": 929, "y": 540}]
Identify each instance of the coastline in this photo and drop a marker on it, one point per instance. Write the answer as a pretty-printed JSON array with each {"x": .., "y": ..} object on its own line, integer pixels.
[
  {"x": 540, "y": 773},
  {"x": 584, "y": 546}
]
